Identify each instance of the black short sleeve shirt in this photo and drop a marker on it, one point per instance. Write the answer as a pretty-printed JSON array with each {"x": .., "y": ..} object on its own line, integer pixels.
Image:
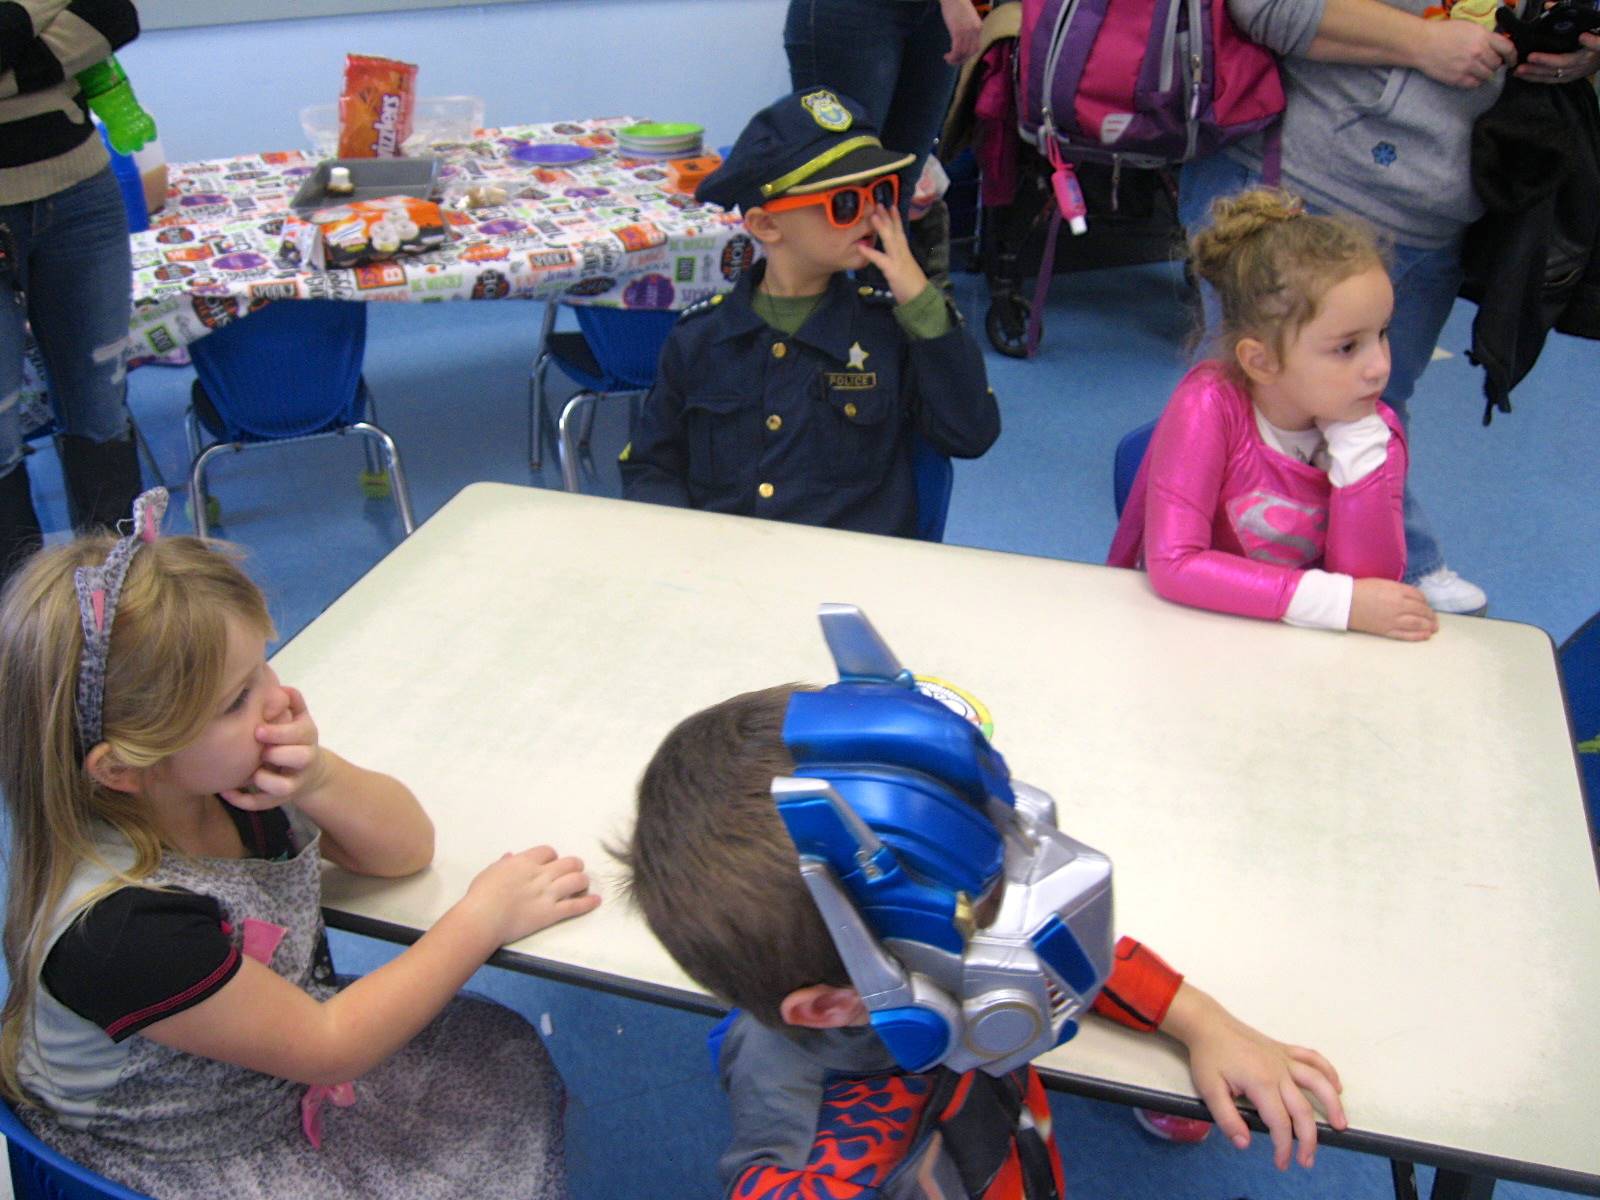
[{"x": 139, "y": 955}]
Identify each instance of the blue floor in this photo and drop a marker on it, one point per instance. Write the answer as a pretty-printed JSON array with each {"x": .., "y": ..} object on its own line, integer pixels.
[{"x": 1514, "y": 505}]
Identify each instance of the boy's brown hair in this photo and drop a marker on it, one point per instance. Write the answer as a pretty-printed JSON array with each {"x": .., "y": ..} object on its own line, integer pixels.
[{"x": 712, "y": 868}]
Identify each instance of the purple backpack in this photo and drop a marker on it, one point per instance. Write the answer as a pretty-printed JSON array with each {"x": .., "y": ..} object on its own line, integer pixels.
[
  {"x": 1144, "y": 83},
  {"x": 1139, "y": 83}
]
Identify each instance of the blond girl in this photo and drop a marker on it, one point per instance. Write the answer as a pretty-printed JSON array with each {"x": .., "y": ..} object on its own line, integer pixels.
[{"x": 173, "y": 1019}]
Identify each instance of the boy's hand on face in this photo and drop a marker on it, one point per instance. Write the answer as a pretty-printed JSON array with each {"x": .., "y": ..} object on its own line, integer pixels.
[
  {"x": 892, "y": 255},
  {"x": 292, "y": 763},
  {"x": 1228, "y": 1058}
]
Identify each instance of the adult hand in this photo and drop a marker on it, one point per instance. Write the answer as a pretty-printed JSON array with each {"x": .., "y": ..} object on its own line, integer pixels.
[
  {"x": 1563, "y": 68},
  {"x": 963, "y": 22},
  {"x": 1392, "y": 610},
  {"x": 1462, "y": 54}
]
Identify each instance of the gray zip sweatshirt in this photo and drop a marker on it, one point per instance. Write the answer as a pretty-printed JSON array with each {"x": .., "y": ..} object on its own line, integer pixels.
[{"x": 1386, "y": 143}]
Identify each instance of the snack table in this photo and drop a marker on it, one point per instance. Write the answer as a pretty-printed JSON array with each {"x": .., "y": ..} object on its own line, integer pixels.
[{"x": 607, "y": 228}]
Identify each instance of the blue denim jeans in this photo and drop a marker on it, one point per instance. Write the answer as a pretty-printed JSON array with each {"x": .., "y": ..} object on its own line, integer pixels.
[
  {"x": 69, "y": 277},
  {"x": 1425, "y": 284},
  {"x": 887, "y": 56}
]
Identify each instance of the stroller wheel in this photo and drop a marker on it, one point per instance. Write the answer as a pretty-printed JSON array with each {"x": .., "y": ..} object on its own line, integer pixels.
[{"x": 1006, "y": 322}]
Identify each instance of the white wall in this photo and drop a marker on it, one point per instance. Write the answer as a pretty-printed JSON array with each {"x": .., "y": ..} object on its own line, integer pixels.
[{"x": 234, "y": 89}]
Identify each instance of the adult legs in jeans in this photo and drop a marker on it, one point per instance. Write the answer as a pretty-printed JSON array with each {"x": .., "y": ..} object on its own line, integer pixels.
[
  {"x": 1425, "y": 286},
  {"x": 1199, "y": 183},
  {"x": 19, "y": 522},
  {"x": 887, "y": 55},
  {"x": 71, "y": 278},
  {"x": 1425, "y": 283}
]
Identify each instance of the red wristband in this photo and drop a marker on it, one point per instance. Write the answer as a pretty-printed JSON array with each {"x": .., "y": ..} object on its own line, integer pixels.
[{"x": 1140, "y": 989}]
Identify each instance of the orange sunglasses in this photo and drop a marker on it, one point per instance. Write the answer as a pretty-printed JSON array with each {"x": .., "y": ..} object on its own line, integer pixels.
[{"x": 847, "y": 202}]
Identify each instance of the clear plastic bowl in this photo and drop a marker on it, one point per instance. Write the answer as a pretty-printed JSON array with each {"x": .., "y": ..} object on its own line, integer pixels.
[{"x": 434, "y": 119}]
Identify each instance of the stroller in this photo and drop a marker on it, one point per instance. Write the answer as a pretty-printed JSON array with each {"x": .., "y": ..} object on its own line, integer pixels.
[
  {"x": 1133, "y": 212},
  {"x": 1110, "y": 169}
]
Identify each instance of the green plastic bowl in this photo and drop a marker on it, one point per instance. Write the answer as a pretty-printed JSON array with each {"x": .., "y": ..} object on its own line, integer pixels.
[{"x": 656, "y": 131}]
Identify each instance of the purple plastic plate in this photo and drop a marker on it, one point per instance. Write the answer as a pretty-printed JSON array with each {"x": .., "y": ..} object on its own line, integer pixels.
[{"x": 552, "y": 154}]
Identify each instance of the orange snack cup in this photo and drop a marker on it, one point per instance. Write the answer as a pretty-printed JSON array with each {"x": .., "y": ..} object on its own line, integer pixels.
[{"x": 685, "y": 174}]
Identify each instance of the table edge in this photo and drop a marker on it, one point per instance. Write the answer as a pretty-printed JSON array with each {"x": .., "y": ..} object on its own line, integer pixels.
[{"x": 1363, "y": 1141}]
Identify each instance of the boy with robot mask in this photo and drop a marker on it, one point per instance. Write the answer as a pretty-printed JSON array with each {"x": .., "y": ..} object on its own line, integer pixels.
[{"x": 939, "y": 933}]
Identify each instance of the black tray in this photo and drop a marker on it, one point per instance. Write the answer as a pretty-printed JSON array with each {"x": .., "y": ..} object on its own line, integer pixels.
[{"x": 373, "y": 178}]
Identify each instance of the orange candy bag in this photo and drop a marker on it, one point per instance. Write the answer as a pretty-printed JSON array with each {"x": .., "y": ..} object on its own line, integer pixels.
[{"x": 375, "y": 107}]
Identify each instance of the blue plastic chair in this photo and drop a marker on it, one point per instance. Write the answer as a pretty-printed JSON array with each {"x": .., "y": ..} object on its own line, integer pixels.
[
  {"x": 1130, "y": 453},
  {"x": 1580, "y": 669},
  {"x": 126, "y": 172},
  {"x": 613, "y": 352},
  {"x": 40, "y": 1173},
  {"x": 935, "y": 478},
  {"x": 288, "y": 373}
]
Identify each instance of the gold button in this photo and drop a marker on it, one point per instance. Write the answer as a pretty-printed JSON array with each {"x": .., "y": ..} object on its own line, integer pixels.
[
  {"x": 717, "y": 299},
  {"x": 774, "y": 422},
  {"x": 864, "y": 290},
  {"x": 766, "y": 491},
  {"x": 779, "y": 349},
  {"x": 849, "y": 410}
]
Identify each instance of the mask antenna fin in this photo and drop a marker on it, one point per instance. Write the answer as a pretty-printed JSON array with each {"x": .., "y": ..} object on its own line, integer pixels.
[{"x": 859, "y": 652}]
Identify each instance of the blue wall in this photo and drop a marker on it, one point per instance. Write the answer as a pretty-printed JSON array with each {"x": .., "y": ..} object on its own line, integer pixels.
[{"x": 234, "y": 89}]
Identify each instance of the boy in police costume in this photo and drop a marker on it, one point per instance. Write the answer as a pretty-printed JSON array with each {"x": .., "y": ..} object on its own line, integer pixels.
[
  {"x": 830, "y": 863},
  {"x": 797, "y": 395}
]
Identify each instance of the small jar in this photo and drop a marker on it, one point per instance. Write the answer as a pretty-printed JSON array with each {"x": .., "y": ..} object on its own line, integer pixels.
[{"x": 339, "y": 183}]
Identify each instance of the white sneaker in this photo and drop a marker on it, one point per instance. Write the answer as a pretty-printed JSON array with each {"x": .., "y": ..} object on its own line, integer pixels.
[{"x": 1447, "y": 592}]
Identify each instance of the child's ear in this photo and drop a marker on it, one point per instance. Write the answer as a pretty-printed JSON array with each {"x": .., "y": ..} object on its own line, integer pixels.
[
  {"x": 107, "y": 770},
  {"x": 762, "y": 226},
  {"x": 822, "y": 1006},
  {"x": 1256, "y": 360}
]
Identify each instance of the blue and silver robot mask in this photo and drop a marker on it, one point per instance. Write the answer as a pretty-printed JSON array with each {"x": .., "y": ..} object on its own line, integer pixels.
[{"x": 974, "y": 929}]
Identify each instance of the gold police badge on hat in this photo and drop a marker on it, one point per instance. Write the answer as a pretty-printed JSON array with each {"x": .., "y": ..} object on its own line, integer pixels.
[{"x": 826, "y": 110}]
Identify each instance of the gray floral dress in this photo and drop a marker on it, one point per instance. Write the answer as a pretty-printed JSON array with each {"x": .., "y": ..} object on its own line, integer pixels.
[{"x": 470, "y": 1108}]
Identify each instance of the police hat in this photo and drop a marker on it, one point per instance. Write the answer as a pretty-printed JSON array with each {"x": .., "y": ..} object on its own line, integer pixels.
[{"x": 806, "y": 142}]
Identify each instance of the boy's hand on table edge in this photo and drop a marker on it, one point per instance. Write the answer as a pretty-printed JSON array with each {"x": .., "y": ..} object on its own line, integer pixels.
[{"x": 1229, "y": 1059}]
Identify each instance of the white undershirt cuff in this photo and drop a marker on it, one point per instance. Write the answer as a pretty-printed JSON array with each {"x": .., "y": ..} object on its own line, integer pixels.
[
  {"x": 1355, "y": 448},
  {"x": 1321, "y": 601}
]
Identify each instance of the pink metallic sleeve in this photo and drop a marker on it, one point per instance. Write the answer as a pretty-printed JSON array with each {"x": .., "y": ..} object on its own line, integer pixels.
[
  {"x": 1366, "y": 521},
  {"x": 1188, "y": 462}
]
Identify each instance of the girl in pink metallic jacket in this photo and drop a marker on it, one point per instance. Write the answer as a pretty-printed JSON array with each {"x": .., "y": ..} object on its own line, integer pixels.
[{"x": 1272, "y": 486}]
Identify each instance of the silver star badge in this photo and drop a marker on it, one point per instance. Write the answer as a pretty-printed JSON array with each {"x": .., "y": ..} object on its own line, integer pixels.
[{"x": 858, "y": 357}]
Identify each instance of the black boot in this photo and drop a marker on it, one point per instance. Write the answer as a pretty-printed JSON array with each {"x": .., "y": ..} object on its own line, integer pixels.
[
  {"x": 19, "y": 523},
  {"x": 103, "y": 480}
]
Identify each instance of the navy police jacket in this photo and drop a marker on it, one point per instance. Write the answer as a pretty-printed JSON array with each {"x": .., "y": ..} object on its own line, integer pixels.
[{"x": 816, "y": 427}]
